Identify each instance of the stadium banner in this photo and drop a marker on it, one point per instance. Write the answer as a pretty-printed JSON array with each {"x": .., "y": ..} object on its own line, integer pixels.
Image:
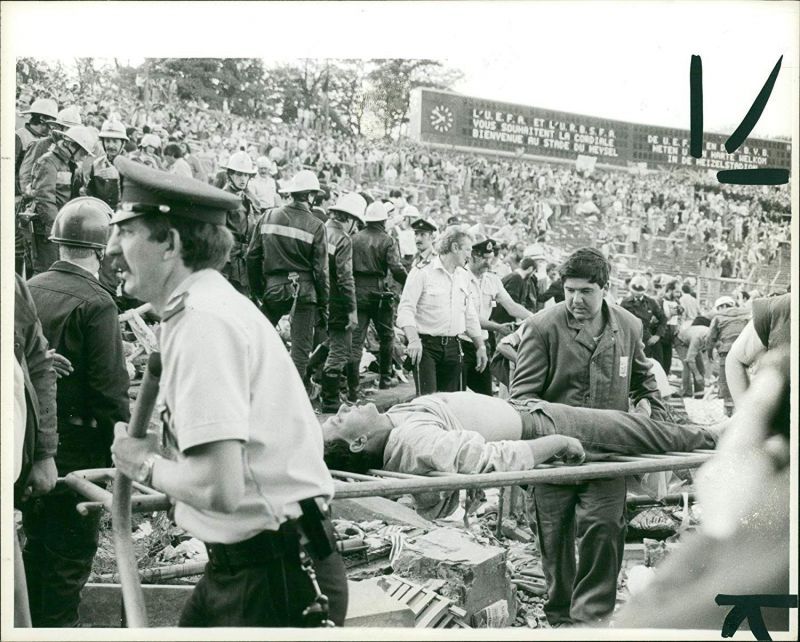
[{"x": 447, "y": 119}]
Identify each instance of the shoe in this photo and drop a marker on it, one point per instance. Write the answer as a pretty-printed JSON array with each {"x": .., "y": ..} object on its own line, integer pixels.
[{"x": 385, "y": 383}]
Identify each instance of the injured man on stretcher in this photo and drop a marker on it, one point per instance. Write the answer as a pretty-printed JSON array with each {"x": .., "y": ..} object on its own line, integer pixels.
[{"x": 464, "y": 432}]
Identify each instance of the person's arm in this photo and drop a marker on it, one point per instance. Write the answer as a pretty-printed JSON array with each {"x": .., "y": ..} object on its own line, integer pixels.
[
  {"x": 744, "y": 352},
  {"x": 26, "y": 168},
  {"x": 533, "y": 364},
  {"x": 393, "y": 261},
  {"x": 643, "y": 381},
  {"x": 106, "y": 375},
  {"x": 344, "y": 275},
  {"x": 320, "y": 268},
  {"x": 713, "y": 334},
  {"x": 43, "y": 191},
  {"x": 511, "y": 306},
  {"x": 657, "y": 311},
  {"x": 468, "y": 452},
  {"x": 255, "y": 260}
]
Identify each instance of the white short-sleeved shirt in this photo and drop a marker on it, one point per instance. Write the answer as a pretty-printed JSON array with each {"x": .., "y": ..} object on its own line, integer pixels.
[
  {"x": 484, "y": 291},
  {"x": 226, "y": 375}
]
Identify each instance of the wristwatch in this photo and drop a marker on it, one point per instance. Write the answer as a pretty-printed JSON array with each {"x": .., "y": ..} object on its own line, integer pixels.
[{"x": 145, "y": 473}]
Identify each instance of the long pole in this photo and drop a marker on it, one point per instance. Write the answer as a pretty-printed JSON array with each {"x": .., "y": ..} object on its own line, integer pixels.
[{"x": 132, "y": 596}]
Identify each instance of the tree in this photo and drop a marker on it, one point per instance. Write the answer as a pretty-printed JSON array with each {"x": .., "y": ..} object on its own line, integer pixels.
[{"x": 393, "y": 79}]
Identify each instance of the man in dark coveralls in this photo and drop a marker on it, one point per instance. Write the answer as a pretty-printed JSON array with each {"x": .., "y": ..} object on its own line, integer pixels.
[{"x": 79, "y": 319}]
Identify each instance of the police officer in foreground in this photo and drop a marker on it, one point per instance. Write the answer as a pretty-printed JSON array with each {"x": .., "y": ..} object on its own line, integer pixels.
[
  {"x": 287, "y": 262},
  {"x": 241, "y": 221},
  {"x": 436, "y": 307},
  {"x": 103, "y": 179},
  {"x": 374, "y": 255},
  {"x": 79, "y": 319},
  {"x": 424, "y": 231},
  {"x": 52, "y": 185},
  {"x": 247, "y": 473},
  {"x": 346, "y": 215}
]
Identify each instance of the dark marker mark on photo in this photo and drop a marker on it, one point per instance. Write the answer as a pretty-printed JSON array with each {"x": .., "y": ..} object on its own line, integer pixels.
[
  {"x": 696, "y": 105},
  {"x": 748, "y": 607},
  {"x": 761, "y": 176},
  {"x": 750, "y": 120}
]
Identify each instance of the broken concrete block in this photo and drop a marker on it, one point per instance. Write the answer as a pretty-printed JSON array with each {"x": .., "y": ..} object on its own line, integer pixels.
[
  {"x": 363, "y": 509},
  {"x": 369, "y": 605},
  {"x": 475, "y": 574}
]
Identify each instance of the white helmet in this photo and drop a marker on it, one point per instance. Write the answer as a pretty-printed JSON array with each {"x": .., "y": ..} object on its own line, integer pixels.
[
  {"x": 263, "y": 161},
  {"x": 240, "y": 162},
  {"x": 69, "y": 117},
  {"x": 304, "y": 181},
  {"x": 724, "y": 300},
  {"x": 85, "y": 137},
  {"x": 375, "y": 213},
  {"x": 113, "y": 129},
  {"x": 352, "y": 204},
  {"x": 43, "y": 107},
  {"x": 411, "y": 212},
  {"x": 150, "y": 140},
  {"x": 638, "y": 282}
]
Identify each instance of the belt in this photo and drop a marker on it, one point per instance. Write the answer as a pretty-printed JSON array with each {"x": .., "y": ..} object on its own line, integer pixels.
[
  {"x": 369, "y": 278},
  {"x": 443, "y": 340},
  {"x": 283, "y": 277},
  {"x": 256, "y": 551}
]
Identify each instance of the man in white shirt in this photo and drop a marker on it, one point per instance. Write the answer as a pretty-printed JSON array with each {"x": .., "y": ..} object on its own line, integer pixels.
[{"x": 435, "y": 308}]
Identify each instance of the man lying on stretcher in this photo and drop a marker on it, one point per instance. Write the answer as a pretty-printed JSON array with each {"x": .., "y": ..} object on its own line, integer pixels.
[{"x": 463, "y": 432}]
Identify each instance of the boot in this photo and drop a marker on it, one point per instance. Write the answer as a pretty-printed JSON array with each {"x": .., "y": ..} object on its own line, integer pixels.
[
  {"x": 385, "y": 366},
  {"x": 329, "y": 394},
  {"x": 316, "y": 360},
  {"x": 353, "y": 380}
]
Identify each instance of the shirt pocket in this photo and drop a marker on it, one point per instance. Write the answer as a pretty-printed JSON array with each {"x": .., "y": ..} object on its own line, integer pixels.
[{"x": 63, "y": 178}]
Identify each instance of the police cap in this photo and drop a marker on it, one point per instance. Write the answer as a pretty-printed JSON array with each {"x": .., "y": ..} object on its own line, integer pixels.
[
  {"x": 424, "y": 225},
  {"x": 151, "y": 191},
  {"x": 484, "y": 247}
]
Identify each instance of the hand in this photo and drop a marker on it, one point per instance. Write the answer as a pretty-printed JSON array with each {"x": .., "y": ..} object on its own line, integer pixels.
[
  {"x": 129, "y": 453},
  {"x": 42, "y": 478},
  {"x": 61, "y": 364},
  {"x": 653, "y": 340},
  {"x": 414, "y": 351},
  {"x": 483, "y": 360},
  {"x": 504, "y": 329},
  {"x": 352, "y": 320},
  {"x": 572, "y": 452}
]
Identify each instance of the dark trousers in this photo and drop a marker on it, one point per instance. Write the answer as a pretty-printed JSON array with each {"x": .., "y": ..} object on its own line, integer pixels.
[
  {"x": 45, "y": 253},
  {"x": 271, "y": 594},
  {"x": 439, "y": 368},
  {"x": 340, "y": 344},
  {"x": 480, "y": 382},
  {"x": 594, "y": 512},
  {"x": 60, "y": 544},
  {"x": 302, "y": 327},
  {"x": 380, "y": 312}
]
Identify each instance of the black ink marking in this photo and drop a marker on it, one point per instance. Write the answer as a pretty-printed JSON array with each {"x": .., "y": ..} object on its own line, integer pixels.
[
  {"x": 696, "y": 107},
  {"x": 749, "y": 121},
  {"x": 760, "y": 176},
  {"x": 749, "y": 607}
]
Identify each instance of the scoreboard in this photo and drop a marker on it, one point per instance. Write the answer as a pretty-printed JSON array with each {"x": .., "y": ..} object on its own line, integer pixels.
[{"x": 445, "y": 118}]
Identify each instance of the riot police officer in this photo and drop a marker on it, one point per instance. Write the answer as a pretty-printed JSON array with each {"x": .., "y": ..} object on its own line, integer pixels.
[
  {"x": 287, "y": 263},
  {"x": 346, "y": 215},
  {"x": 374, "y": 255},
  {"x": 241, "y": 221},
  {"x": 79, "y": 319}
]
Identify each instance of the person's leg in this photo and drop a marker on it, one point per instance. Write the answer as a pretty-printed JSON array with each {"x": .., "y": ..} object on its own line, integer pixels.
[
  {"x": 600, "y": 528},
  {"x": 426, "y": 371},
  {"x": 339, "y": 342},
  {"x": 687, "y": 380},
  {"x": 555, "y": 529},
  {"x": 275, "y": 307},
  {"x": 479, "y": 382},
  {"x": 384, "y": 327},
  {"x": 302, "y": 333},
  {"x": 615, "y": 431},
  {"x": 58, "y": 557},
  {"x": 22, "y": 611},
  {"x": 724, "y": 391},
  {"x": 449, "y": 370}
]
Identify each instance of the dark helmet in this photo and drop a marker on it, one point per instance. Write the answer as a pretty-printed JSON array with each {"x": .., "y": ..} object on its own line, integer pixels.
[{"x": 82, "y": 222}]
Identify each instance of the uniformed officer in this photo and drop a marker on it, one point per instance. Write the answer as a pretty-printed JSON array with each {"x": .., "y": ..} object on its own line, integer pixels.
[
  {"x": 241, "y": 221},
  {"x": 103, "y": 180},
  {"x": 42, "y": 113},
  {"x": 246, "y": 469},
  {"x": 487, "y": 291},
  {"x": 424, "y": 231},
  {"x": 287, "y": 263},
  {"x": 67, "y": 117},
  {"x": 149, "y": 151},
  {"x": 52, "y": 185},
  {"x": 346, "y": 214},
  {"x": 79, "y": 319},
  {"x": 435, "y": 307},
  {"x": 374, "y": 255}
]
